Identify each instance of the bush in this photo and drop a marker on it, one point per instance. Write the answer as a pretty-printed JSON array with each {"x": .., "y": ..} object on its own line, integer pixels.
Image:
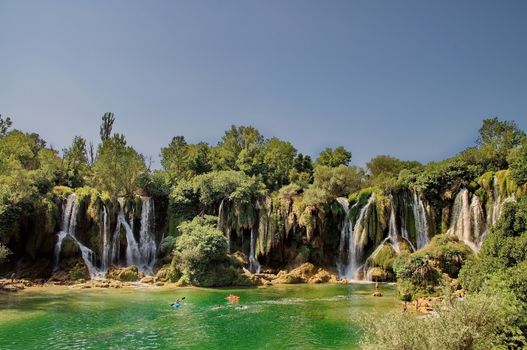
[
  {"x": 423, "y": 272},
  {"x": 501, "y": 266},
  {"x": 200, "y": 255},
  {"x": 478, "y": 322}
]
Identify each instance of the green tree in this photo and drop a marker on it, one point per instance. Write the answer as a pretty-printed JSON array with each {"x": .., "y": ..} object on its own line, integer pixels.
[
  {"x": 338, "y": 181},
  {"x": 496, "y": 139},
  {"x": 239, "y": 149},
  {"x": 182, "y": 160},
  {"x": 76, "y": 162},
  {"x": 279, "y": 160},
  {"x": 388, "y": 165},
  {"x": 200, "y": 256},
  {"x": 519, "y": 164},
  {"x": 106, "y": 126},
  {"x": 333, "y": 158},
  {"x": 5, "y": 124},
  {"x": 118, "y": 167}
]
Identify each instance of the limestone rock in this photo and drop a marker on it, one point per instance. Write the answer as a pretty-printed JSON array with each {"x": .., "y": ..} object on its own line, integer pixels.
[
  {"x": 124, "y": 274},
  {"x": 147, "y": 279}
]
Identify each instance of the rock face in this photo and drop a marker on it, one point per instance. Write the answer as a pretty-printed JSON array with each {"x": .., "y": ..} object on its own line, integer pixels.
[
  {"x": 124, "y": 274},
  {"x": 305, "y": 273},
  {"x": 14, "y": 285}
]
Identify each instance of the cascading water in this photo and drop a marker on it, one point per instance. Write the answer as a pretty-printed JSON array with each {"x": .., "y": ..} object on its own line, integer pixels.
[
  {"x": 254, "y": 265},
  {"x": 221, "y": 225},
  {"x": 357, "y": 240},
  {"x": 421, "y": 223},
  {"x": 68, "y": 229},
  {"x": 106, "y": 240},
  {"x": 477, "y": 220},
  {"x": 147, "y": 243},
  {"x": 392, "y": 237},
  {"x": 141, "y": 253},
  {"x": 345, "y": 232},
  {"x": 392, "y": 227},
  {"x": 461, "y": 223}
]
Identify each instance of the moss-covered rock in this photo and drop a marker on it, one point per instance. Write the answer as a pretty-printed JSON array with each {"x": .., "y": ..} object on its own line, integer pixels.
[{"x": 124, "y": 274}]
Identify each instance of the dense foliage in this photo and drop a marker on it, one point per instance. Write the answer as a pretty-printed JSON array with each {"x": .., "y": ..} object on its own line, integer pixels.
[
  {"x": 200, "y": 257},
  {"x": 478, "y": 322},
  {"x": 425, "y": 271},
  {"x": 501, "y": 266}
]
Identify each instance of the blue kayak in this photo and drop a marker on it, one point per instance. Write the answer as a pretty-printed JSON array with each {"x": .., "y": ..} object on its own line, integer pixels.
[{"x": 176, "y": 305}]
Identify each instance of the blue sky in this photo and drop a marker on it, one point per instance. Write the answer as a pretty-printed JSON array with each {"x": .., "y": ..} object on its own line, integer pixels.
[{"x": 412, "y": 79}]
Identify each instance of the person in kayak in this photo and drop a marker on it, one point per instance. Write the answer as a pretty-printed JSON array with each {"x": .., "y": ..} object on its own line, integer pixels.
[{"x": 177, "y": 303}]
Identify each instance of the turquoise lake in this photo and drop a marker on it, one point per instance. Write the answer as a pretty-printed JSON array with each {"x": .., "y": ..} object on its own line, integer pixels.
[{"x": 278, "y": 317}]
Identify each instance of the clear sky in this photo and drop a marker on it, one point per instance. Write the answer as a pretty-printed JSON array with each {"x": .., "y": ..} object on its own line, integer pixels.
[{"x": 412, "y": 79}]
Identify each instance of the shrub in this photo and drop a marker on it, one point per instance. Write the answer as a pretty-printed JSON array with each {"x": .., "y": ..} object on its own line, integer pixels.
[
  {"x": 200, "y": 255},
  {"x": 422, "y": 272},
  {"x": 478, "y": 322}
]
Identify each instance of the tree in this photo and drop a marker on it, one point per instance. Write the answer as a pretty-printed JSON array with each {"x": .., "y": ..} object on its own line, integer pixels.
[
  {"x": 388, "y": 165},
  {"x": 174, "y": 157},
  {"x": 279, "y": 160},
  {"x": 106, "y": 126},
  {"x": 118, "y": 167},
  {"x": 182, "y": 160},
  {"x": 518, "y": 165},
  {"x": 338, "y": 181},
  {"x": 76, "y": 162},
  {"x": 5, "y": 124},
  {"x": 200, "y": 256},
  {"x": 333, "y": 158},
  {"x": 239, "y": 149},
  {"x": 496, "y": 139}
]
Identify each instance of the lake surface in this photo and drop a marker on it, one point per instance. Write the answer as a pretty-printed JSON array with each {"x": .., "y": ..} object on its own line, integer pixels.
[{"x": 278, "y": 317}]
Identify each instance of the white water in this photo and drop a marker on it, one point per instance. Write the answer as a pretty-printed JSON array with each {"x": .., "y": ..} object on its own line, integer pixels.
[
  {"x": 254, "y": 265},
  {"x": 421, "y": 223},
  {"x": 105, "y": 236},
  {"x": 68, "y": 229},
  {"x": 461, "y": 223},
  {"x": 392, "y": 228},
  {"x": 141, "y": 253},
  {"x": 357, "y": 240},
  {"x": 345, "y": 232}
]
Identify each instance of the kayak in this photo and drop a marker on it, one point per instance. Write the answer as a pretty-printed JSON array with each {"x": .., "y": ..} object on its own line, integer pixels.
[
  {"x": 176, "y": 305},
  {"x": 233, "y": 298}
]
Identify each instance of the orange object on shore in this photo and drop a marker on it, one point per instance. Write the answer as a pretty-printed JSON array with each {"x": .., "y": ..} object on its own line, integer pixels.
[{"x": 232, "y": 297}]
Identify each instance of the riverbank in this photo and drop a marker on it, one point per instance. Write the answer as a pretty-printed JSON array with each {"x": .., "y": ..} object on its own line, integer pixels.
[{"x": 128, "y": 277}]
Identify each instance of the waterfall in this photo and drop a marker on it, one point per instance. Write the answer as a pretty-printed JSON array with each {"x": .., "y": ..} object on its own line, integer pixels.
[
  {"x": 392, "y": 228},
  {"x": 147, "y": 243},
  {"x": 254, "y": 265},
  {"x": 105, "y": 235},
  {"x": 477, "y": 220},
  {"x": 143, "y": 253},
  {"x": 68, "y": 229},
  {"x": 461, "y": 223},
  {"x": 421, "y": 223},
  {"x": 357, "y": 240},
  {"x": 392, "y": 237},
  {"x": 221, "y": 225},
  {"x": 345, "y": 232}
]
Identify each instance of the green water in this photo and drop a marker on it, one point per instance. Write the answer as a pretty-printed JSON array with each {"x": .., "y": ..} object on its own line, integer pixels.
[{"x": 279, "y": 317}]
